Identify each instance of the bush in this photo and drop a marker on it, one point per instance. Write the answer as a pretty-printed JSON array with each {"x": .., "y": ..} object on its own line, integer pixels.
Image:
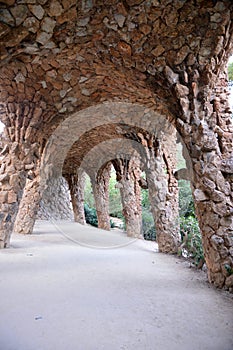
[
  {"x": 148, "y": 227},
  {"x": 186, "y": 205},
  {"x": 191, "y": 246},
  {"x": 90, "y": 215}
]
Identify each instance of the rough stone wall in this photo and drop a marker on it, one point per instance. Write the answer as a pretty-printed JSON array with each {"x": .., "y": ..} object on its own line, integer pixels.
[{"x": 56, "y": 202}]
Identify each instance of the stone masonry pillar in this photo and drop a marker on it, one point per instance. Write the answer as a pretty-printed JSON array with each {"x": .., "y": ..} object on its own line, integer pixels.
[
  {"x": 16, "y": 160},
  {"x": 76, "y": 183},
  {"x": 172, "y": 195},
  {"x": 166, "y": 231},
  {"x": 130, "y": 196},
  {"x": 100, "y": 184},
  {"x": 29, "y": 205},
  {"x": 163, "y": 197},
  {"x": 209, "y": 141}
]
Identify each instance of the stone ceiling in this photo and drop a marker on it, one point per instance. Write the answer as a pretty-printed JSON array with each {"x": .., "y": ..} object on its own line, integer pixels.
[
  {"x": 62, "y": 56},
  {"x": 58, "y": 57},
  {"x": 98, "y": 135}
]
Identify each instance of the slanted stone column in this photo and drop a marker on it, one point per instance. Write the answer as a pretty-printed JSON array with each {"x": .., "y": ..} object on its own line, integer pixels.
[
  {"x": 130, "y": 195},
  {"x": 167, "y": 235},
  {"x": 209, "y": 140},
  {"x": 76, "y": 184},
  {"x": 16, "y": 160},
  {"x": 29, "y": 205},
  {"x": 172, "y": 194},
  {"x": 100, "y": 184},
  {"x": 55, "y": 203},
  {"x": 163, "y": 194}
]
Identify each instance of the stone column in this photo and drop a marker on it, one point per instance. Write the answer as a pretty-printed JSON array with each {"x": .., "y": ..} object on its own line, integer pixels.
[
  {"x": 29, "y": 205},
  {"x": 76, "y": 184},
  {"x": 172, "y": 194},
  {"x": 163, "y": 194},
  {"x": 16, "y": 160},
  {"x": 167, "y": 235},
  {"x": 209, "y": 140},
  {"x": 130, "y": 195},
  {"x": 100, "y": 184}
]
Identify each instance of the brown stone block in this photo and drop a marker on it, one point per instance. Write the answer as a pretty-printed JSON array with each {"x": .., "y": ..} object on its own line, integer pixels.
[
  {"x": 29, "y": 92},
  {"x": 21, "y": 87},
  {"x": 229, "y": 281},
  {"x": 57, "y": 84},
  {"x": 145, "y": 29},
  {"x": 181, "y": 55},
  {"x": 16, "y": 36},
  {"x": 3, "y": 94},
  {"x": 4, "y": 29},
  {"x": 12, "y": 197},
  {"x": 69, "y": 15},
  {"x": 54, "y": 63},
  {"x": 68, "y": 3},
  {"x": 136, "y": 35},
  {"x": 3, "y": 196}
]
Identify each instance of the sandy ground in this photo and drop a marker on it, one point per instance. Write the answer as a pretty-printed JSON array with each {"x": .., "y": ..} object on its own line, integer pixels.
[{"x": 110, "y": 292}]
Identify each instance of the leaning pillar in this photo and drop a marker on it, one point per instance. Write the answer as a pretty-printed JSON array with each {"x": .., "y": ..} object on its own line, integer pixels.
[
  {"x": 76, "y": 183},
  {"x": 100, "y": 184},
  {"x": 15, "y": 162},
  {"x": 28, "y": 207},
  {"x": 207, "y": 131},
  {"x": 130, "y": 197},
  {"x": 166, "y": 222}
]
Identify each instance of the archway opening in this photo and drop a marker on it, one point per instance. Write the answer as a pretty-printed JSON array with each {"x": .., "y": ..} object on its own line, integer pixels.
[
  {"x": 148, "y": 225},
  {"x": 230, "y": 81},
  {"x": 2, "y": 126},
  {"x": 191, "y": 241}
]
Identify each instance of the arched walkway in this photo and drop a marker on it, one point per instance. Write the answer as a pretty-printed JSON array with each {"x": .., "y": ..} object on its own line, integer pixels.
[{"x": 78, "y": 65}]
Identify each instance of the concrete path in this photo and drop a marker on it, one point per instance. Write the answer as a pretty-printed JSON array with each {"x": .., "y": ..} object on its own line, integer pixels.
[{"x": 110, "y": 292}]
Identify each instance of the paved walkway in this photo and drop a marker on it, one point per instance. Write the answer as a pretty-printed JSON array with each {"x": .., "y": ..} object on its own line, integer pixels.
[{"x": 69, "y": 287}]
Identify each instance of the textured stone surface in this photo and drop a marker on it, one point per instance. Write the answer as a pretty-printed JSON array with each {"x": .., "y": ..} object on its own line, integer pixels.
[
  {"x": 76, "y": 183},
  {"x": 127, "y": 175},
  {"x": 55, "y": 203},
  {"x": 100, "y": 185}
]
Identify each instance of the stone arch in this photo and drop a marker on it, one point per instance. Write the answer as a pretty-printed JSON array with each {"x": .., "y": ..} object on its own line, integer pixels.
[
  {"x": 107, "y": 113},
  {"x": 137, "y": 118},
  {"x": 106, "y": 152}
]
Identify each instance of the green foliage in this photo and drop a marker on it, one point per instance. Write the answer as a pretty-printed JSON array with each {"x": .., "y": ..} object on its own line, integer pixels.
[
  {"x": 191, "y": 246},
  {"x": 148, "y": 227},
  {"x": 115, "y": 206},
  {"x": 90, "y": 215},
  {"x": 88, "y": 194},
  {"x": 145, "y": 199},
  {"x": 229, "y": 269},
  {"x": 230, "y": 71},
  {"x": 186, "y": 205}
]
